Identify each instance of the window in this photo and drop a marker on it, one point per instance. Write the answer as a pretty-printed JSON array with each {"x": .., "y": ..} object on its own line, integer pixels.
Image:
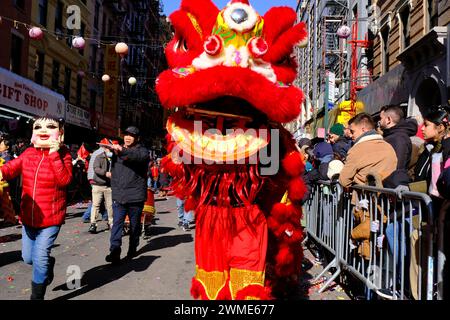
[
  {"x": 15, "y": 62},
  {"x": 432, "y": 13},
  {"x": 104, "y": 23},
  {"x": 67, "y": 78},
  {"x": 405, "y": 26},
  {"x": 42, "y": 18},
  {"x": 96, "y": 14},
  {"x": 20, "y": 4},
  {"x": 59, "y": 16},
  {"x": 385, "y": 49},
  {"x": 93, "y": 58},
  {"x": 79, "y": 89},
  {"x": 55, "y": 75},
  {"x": 110, "y": 25},
  {"x": 69, "y": 38},
  {"x": 39, "y": 68},
  {"x": 93, "y": 99}
]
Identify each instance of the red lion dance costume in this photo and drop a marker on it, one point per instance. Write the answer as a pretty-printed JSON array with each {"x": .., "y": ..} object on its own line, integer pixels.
[{"x": 232, "y": 70}]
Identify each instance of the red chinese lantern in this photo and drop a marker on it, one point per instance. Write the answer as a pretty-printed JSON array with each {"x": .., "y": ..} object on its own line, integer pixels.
[
  {"x": 122, "y": 49},
  {"x": 36, "y": 33}
]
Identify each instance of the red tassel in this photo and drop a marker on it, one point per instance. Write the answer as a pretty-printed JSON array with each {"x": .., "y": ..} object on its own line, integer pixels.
[
  {"x": 254, "y": 290},
  {"x": 293, "y": 164},
  {"x": 296, "y": 189}
]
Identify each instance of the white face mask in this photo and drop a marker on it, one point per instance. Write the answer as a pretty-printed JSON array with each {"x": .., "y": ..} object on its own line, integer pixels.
[
  {"x": 109, "y": 154},
  {"x": 44, "y": 132}
]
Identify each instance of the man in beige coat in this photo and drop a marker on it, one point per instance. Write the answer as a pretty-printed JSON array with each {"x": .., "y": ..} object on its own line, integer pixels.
[{"x": 369, "y": 154}]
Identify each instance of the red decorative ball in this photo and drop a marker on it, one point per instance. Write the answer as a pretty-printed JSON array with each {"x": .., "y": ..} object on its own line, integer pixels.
[
  {"x": 293, "y": 164},
  {"x": 257, "y": 47},
  {"x": 213, "y": 45}
]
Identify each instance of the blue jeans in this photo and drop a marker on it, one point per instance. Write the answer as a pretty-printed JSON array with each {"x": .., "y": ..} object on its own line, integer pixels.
[
  {"x": 134, "y": 212},
  {"x": 398, "y": 249},
  {"x": 36, "y": 247},
  {"x": 87, "y": 213},
  {"x": 155, "y": 184},
  {"x": 183, "y": 216}
]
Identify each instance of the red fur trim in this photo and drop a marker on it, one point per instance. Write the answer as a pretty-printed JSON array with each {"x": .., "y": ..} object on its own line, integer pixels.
[
  {"x": 184, "y": 30},
  {"x": 295, "y": 213},
  {"x": 293, "y": 164},
  {"x": 296, "y": 189},
  {"x": 197, "y": 290},
  {"x": 273, "y": 224},
  {"x": 220, "y": 81},
  {"x": 205, "y": 11},
  {"x": 274, "y": 26},
  {"x": 286, "y": 73},
  {"x": 284, "y": 262},
  {"x": 284, "y": 45},
  {"x": 280, "y": 211},
  {"x": 254, "y": 290}
]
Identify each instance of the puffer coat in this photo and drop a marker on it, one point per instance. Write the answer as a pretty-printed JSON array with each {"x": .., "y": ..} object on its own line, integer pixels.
[{"x": 45, "y": 180}]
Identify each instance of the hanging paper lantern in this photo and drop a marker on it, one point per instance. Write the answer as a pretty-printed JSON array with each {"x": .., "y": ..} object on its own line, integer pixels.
[
  {"x": 81, "y": 74},
  {"x": 106, "y": 78},
  {"x": 122, "y": 49},
  {"x": 78, "y": 42},
  {"x": 343, "y": 32},
  {"x": 132, "y": 81},
  {"x": 36, "y": 33}
]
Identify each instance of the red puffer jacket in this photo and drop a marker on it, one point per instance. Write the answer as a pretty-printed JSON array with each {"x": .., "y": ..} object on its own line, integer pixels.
[{"x": 45, "y": 179}]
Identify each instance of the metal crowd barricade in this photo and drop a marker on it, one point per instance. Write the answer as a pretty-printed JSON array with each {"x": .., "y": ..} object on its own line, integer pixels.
[
  {"x": 322, "y": 212},
  {"x": 398, "y": 262}
]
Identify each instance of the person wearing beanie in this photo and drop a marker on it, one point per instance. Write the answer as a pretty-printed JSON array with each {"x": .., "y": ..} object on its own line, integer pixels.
[{"x": 338, "y": 141}]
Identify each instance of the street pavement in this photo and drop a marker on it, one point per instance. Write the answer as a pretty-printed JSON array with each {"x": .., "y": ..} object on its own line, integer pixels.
[{"x": 162, "y": 270}]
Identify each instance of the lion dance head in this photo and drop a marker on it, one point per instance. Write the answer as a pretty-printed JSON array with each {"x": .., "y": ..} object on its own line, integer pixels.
[{"x": 230, "y": 84}]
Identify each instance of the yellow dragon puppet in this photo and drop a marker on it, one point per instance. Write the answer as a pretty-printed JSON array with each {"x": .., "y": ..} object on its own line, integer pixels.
[{"x": 230, "y": 83}]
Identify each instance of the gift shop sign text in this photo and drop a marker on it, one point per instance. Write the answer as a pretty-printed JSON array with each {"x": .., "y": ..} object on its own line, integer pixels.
[{"x": 22, "y": 94}]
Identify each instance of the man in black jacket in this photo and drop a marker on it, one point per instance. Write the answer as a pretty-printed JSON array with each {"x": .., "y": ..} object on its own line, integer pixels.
[
  {"x": 129, "y": 191},
  {"x": 398, "y": 131}
]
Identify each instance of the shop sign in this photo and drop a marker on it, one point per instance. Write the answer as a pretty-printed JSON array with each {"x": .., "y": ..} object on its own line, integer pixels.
[
  {"x": 78, "y": 116},
  {"x": 22, "y": 94}
]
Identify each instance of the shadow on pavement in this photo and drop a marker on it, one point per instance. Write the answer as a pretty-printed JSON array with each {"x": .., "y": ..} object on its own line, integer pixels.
[
  {"x": 165, "y": 242},
  {"x": 10, "y": 237},
  {"x": 156, "y": 230},
  {"x": 10, "y": 257},
  {"x": 104, "y": 274}
]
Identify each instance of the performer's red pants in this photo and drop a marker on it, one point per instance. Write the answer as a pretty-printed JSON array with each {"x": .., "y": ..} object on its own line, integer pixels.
[{"x": 230, "y": 250}]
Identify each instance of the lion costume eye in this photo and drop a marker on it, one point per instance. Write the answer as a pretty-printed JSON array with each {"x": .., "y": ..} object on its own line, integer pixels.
[{"x": 181, "y": 46}]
